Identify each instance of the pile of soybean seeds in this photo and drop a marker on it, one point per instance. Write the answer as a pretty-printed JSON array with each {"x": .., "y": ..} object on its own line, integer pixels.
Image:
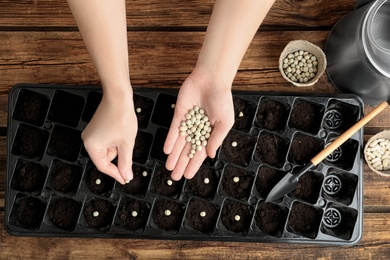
[
  {"x": 196, "y": 128},
  {"x": 300, "y": 66},
  {"x": 378, "y": 154}
]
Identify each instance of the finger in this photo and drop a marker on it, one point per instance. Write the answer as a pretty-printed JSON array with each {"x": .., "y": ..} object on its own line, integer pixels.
[
  {"x": 173, "y": 135},
  {"x": 217, "y": 136},
  {"x": 125, "y": 162},
  {"x": 182, "y": 163},
  {"x": 104, "y": 165},
  {"x": 175, "y": 154},
  {"x": 195, "y": 163},
  {"x": 112, "y": 170}
]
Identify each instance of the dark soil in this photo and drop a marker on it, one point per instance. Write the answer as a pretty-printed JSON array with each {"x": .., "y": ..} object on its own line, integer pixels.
[
  {"x": 304, "y": 220},
  {"x": 304, "y": 148},
  {"x": 240, "y": 189},
  {"x": 271, "y": 149},
  {"x": 65, "y": 143},
  {"x": 160, "y": 184},
  {"x": 230, "y": 210},
  {"x": 29, "y": 176},
  {"x": 193, "y": 218},
  {"x": 146, "y": 105},
  {"x": 30, "y": 142},
  {"x": 243, "y": 123},
  {"x": 197, "y": 186},
  {"x": 139, "y": 184},
  {"x": 31, "y": 107},
  {"x": 270, "y": 218},
  {"x": 306, "y": 116},
  {"x": 272, "y": 115},
  {"x": 66, "y": 108},
  {"x": 105, "y": 209},
  {"x": 242, "y": 153},
  {"x": 266, "y": 179},
  {"x": 127, "y": 220},
  {"x": 163, "y": 112},
  {"x": 29, "y": 212},
  {"x": 65, "y": 177},
  {"x": 171, "y": 222},
  {"x": 309, "y": 186},
  {"x": 106, "y": 182},
  {"x": 143, "y": 142},
  {"x": 92, "y": 104},
  {"x": 64, "y": 212}
]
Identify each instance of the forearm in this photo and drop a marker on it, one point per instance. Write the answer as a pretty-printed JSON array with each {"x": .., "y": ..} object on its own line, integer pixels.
[
  {"x": 102, "y": 24},
  {"x": 232, "y": 27}
]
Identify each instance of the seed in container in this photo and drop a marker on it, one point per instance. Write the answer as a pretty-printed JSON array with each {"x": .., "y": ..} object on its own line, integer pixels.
[
  {"x": 300, "y": 66},
  {"x": 378, "y": 154},
  {"x": 196, "y": 128}
]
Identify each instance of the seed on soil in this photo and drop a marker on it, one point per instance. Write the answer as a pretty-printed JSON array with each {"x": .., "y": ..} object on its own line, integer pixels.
[
  {"x": 240, "y": 114},
  {"x": 236, "y": 179},
  {"x": 202, "y": 214},
  {"x": 134, "y": 213},
  {"x": 95, "y": 214},
  {"x": 169, "y": 182},
  {"x": 144, "y": 173},
  {"x": 138, "y": 110},
  {"x": 98, "y": 181},
  {"x": 206, "y": 180},
  {"x": 237, "y": 217},
  {"x": 173, "y": 105},
  {"x": 167, "y": 212},
  {"x": 234, "y": 144}
]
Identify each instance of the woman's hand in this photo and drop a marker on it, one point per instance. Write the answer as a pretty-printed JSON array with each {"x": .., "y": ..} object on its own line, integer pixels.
[{"x": 203, "y": 90}]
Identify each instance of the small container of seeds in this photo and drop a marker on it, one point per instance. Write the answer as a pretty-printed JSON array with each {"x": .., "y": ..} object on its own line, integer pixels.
[
  {"x": 302, "y": 63},
  {"x": 377, "y": 153}
]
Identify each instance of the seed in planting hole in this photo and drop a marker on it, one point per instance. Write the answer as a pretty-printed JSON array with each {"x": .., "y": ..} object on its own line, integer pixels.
[
  {"x": 202, "y": 214},
  {"x": 138, "y": 110},
  {"x": 144, "y": 173},
  {"x": 240, "y": 114},
  {"x": 134, "y": 213},
  {"x": 169, "y": 182},
  {"x": 234, "y": 144},
  {"x": 206, "y": 180},
  {"x": 237, "y": 217},
  {"x": 173, "y": 105},
  {"x": 98, "y": 181},
  {"x": 95, "y": 214},
  {"x": 236, "y": 179},
  {"x": 167, "y": 212}
]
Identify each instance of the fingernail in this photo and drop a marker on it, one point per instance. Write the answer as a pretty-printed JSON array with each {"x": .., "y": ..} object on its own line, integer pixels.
[
  {"x": 127, "y": 181},
  {"x": 129, "y": 176}
]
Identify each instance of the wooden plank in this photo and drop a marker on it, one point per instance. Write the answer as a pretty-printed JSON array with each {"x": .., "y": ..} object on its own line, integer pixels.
[
  {"x": 375, "y": 242},
  {"x": 168, "y": 13}
]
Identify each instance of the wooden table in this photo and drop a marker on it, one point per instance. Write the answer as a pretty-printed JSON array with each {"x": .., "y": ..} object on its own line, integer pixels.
[{"x": 40, "y": 43}]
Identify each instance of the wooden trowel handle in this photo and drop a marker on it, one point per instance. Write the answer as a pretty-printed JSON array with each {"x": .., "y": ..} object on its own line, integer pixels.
[{"x": 347, "y": 134}]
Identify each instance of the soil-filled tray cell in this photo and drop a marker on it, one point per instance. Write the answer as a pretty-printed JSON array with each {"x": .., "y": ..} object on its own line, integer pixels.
[
  {"x": 132, "y": 215},
  {"x": 339, "y": 186},
  {"x": 237, "y": 148},
  {"x": 30, "y": 142},
  {"x": 164, "y": 109},
  {"x": 271, "y": 149},
  {"x": 98, "y": 182},
  {"x": 29, "y": 177},
  {"x": 65, "y": 143},
  {"x": 143, "y": 108},
  {"x": 27, "y": 212},
  {"x": 66, "y": 108},
  {"x": 344, "y": 156},
  {"x": 63, "y": 213},
  {"x": 98, "y": 214},
  {"x": 235, "y": 217},
  {"x": 272, "y": 115},
  {"x": 304, "y": 220},
  {"x": 167, "y": 215},
  {"x": 163, "y": 184},
  {"x": 201, "y": 216},
  {"x": 93, "y": 101},
  {"x": 139, "y": 184},
  {"x": 309, "y": 187},
  {"x": 306, "y": 116},
  {"x": 339, "y": 116},
  {"x": 64, "y": 177},
  {"x": 236, "y": 182},
  {"x": 204, "y": 183},
  {"x": 143, "y": 142},
  {"x": 244, "y": 111},
  {"x": 31, "y": 107},
  {"x": 270, "y": 218},
  {"x": 266, "y": 179},
  {"x": 303, "y": 148}
]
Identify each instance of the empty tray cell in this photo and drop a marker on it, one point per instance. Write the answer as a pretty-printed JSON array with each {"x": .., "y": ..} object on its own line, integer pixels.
[
  {"x": 339, "y": 116},
  {"x": 158, "y": 145},
  {"x": 31, "y": 107},
  {"x": 306, "y": 116},
  {"x": 236, "y": 182},
  {"x": 164, "y": 109},
  {"x": 132, "y": 215},
  {"x": 244, "y": 111},
  {"x": 65, "y": 143},
  {"x": 237, "y": 148},
  {"x": 272, "y": 115},
  {"x": 309, "y": 187},
  {"x": 271, "y": 149},
  {"x": 98, "y": 213},
  {"x": 304, "y": 220},
  {"x": 98, "y": 182},
  {"x": 339, "y": 221},
  {"x": 167, "y": 215},
  {"x": 140, "y": 182},
  {"x": 66, "y": 108},
  {"x": 65, "y": 177},
  {"x": 30, "y": 142},
  {"x": 143, "y": 107},
  {"x": 204, "y": 183},
  {"x": 27, "y": 212},
  {"x": 339, "y": 186},
  {"x": 235, "y": 217},
  {"x": 143, "y": 142},
  {"x": 344, "y": 156},
  {"x": 93, "y": 101},
  {"x": 201, "y": 216},
  {"x": 63, "y": 213},
  {"x": 28, "y": 177},
  {"x": 163, "y": 184},
  {"x": 303, "y": 148},
  {"x": 266, "y": 179},
  {"x": 270, "y": 218}
]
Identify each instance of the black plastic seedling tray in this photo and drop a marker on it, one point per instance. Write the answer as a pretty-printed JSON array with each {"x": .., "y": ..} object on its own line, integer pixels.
[{"x": 52, "y": 187}]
